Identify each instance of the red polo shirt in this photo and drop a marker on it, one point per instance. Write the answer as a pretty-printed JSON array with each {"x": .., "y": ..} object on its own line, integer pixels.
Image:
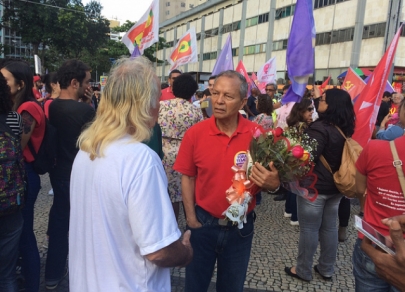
[
  {"x": 167, "y": 94},
  {"x": 208, "y": 154}
]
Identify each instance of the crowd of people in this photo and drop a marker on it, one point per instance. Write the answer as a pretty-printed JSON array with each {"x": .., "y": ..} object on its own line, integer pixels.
[{"x": 128, "y": 159}]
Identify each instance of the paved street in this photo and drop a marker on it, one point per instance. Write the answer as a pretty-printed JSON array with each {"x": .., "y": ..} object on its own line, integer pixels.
[{"x": 274, "y": 246}]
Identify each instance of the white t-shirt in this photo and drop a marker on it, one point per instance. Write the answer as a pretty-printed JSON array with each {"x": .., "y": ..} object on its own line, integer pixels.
[{"x": 120, "y": 211}]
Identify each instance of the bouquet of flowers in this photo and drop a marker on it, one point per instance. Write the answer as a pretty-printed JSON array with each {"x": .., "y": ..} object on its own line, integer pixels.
[{"x": 290, "y": 150}]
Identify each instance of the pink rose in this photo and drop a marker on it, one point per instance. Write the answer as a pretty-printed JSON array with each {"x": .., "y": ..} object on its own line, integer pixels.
[
  {"x": 257, "y": 133},
  {"x": 297, "y": 151},
  {"x": 278, "y": 132}
]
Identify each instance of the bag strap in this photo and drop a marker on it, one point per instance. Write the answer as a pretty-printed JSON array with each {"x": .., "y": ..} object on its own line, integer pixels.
[
  {"x": 341, "y": 132},
  {"x": 325, "y": 163},
  {"x": 398, "y": 165}
]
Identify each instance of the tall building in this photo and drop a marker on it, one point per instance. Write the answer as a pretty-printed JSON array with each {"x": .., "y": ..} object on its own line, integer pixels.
[
  {"x": 348, "y": 33},
  {"x": 114, "y": 35},
  {"x": 11, "y": 43},
  {"x": 171, "y": 8}
]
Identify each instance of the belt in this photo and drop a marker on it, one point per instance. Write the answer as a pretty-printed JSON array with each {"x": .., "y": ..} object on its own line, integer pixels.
[{"x": 208, "y": 218}]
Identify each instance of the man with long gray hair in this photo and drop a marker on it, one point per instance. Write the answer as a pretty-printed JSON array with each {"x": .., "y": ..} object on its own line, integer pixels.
[{"x": 124, "y": 235}]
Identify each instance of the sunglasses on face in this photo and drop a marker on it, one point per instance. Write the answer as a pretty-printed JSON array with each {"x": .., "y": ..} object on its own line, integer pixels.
[{"x": 310, "y": 109}]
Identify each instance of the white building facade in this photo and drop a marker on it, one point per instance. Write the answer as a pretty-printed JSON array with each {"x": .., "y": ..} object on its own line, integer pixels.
[{"x": 348, "y": 33}]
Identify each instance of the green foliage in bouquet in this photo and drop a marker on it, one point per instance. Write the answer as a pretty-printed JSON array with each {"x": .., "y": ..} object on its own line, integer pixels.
[{"x": 290, "y": 150}]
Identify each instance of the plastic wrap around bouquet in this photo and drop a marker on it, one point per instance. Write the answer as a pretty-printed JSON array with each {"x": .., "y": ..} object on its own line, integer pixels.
[{"x": 290, "y": 150}]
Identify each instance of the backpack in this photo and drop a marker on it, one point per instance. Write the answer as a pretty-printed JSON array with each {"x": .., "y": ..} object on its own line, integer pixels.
[
  {"x": 12, "y": 183},
  {"x": 45, "y": 158},
  {"x": 345, "y": 177}
]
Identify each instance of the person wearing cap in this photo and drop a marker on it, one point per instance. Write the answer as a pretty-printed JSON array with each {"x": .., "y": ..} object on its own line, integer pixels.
[{"x": 37, "y": 87}]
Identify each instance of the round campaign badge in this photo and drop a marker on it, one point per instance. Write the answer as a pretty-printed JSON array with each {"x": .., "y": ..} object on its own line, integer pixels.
[{"x": 240, "y": 158}]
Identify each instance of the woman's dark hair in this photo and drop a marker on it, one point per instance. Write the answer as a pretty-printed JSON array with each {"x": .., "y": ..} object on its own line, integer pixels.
[
  {"x": 184, "y": 86},
  {"x": 6, "y": 104},
  {"x": 264, "y": 104},
  {"x": 206, "y": 92},
  {"x": 48, "y": 79},
  {"x": 297, "y": 112},
  {"x": 340, "y": 110},
  {"x": 23, "y": 76}
]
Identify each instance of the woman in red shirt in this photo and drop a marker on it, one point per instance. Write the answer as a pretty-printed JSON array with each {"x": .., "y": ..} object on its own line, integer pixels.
[{"x": 19, "y": 79}]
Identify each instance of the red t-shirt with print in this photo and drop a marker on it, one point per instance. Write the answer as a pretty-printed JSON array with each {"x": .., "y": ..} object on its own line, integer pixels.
[
  {"x": 384, "y": 197},
  {"x": 37, "y": 135}
]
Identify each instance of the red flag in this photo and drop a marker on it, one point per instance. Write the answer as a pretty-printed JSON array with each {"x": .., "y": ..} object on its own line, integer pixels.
[
  {"x": 260, "y": 85},
  {"x": 353, "y": 83},
  {"x": 368, "y": 103},
  {"x": 242, "y": 70},
  {"x": 323, "y": 85}
]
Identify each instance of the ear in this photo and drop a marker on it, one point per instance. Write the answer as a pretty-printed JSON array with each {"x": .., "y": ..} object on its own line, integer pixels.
[
  {"x": 74, "y": 83},
  {"x": 244, "y": 100},
  {"x": 22, "y": 84}
]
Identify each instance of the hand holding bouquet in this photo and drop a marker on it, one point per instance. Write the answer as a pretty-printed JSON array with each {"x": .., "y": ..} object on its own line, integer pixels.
[{"x": 290, "y": 151}]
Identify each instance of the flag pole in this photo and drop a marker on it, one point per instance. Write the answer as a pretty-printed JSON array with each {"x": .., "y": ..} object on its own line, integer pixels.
[{"x": 156, "y": 59}]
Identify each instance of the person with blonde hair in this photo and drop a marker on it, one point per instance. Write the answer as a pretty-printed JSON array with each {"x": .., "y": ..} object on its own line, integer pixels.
[{"x": 124, "y": 235}]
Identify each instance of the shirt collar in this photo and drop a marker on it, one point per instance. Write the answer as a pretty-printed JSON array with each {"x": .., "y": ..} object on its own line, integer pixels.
[{"x": 244, "y": 125}]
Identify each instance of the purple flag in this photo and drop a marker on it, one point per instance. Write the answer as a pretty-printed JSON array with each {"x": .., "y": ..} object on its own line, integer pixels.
[
  {"x": 300, "y": 50},
  {"x": 135, "y": 52},
  {"x": 388, "y": 86},
  {"x": 225, "y": 59}
]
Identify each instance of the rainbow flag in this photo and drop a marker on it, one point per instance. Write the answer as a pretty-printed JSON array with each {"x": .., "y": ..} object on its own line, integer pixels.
[
  {"x": 146, "y": 31},
  {"x": 185, "y": 50}
]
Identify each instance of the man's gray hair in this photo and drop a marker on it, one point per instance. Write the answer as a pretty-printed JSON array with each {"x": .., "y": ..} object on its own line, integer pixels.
[
  {"x": 243, "y": 89},
  {"x": 272, "y": 84}
]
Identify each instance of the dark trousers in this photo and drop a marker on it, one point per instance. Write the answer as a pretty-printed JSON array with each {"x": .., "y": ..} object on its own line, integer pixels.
[
  {"x": 58, "y": 229},
  {"x": 227, "y": 245},
  {"x": 344, "y": 212},
  {"x": 30, "y": 265},
  {"x": 10, "y": 231},
  {"x": 291, "y": 205}
]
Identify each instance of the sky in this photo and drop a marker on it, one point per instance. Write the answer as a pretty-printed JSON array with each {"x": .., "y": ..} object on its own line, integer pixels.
[{"x": 123, "y": 10}]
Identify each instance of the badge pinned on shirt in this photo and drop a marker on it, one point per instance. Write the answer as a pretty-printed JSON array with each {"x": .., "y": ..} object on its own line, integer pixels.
[{"x": 240, "y": 158}]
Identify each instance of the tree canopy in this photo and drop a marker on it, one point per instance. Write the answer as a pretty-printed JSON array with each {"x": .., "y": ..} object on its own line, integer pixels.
[{"x": 63, "y": 29}]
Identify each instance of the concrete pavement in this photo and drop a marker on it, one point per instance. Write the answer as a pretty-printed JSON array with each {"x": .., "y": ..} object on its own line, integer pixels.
[{"x": 275, "y": 245}]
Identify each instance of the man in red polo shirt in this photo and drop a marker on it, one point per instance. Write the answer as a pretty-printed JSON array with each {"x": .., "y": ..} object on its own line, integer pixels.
[
  {"x": 167, "y": 93},
  {"x": 208, "y": 151}
]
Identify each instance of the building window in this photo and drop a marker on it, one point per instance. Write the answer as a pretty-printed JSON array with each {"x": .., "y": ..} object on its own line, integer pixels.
[
  {"x": 167, "y": 12},
  {"x": 182, "y": 4},
  {"x": 374, "y": 30},
  {"x": 323, "y": 3},
  {"x": 191, "y": 6},
  {"x": 338, "y": 36},
  {"x": 279, "y": 45},
  {"x": 285, "y": 12},
  {"x": 264, "y": 18},
  {"x": 252, "y": 21},
  {"x": 167, "y": 4}
]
